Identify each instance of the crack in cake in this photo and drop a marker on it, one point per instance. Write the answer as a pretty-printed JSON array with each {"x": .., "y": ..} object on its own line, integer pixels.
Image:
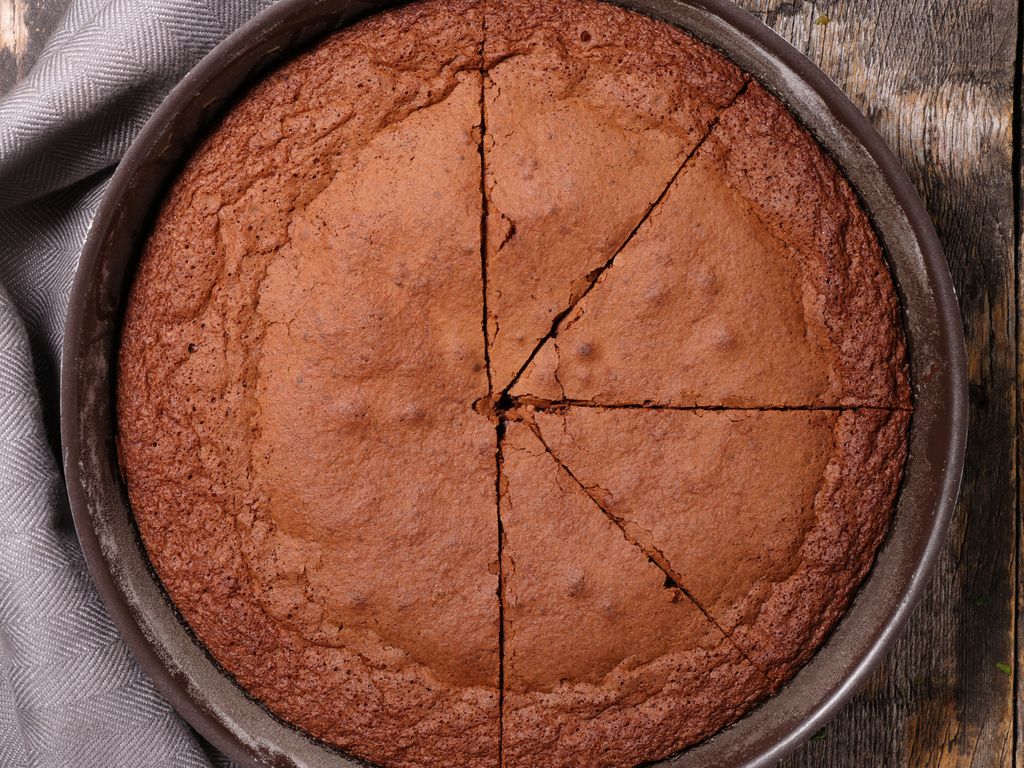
[{"x": 511, "y": 383}]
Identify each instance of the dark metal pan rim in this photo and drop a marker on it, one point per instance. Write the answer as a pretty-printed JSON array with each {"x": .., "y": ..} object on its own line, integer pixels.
[{"x": 242, "y": 728}]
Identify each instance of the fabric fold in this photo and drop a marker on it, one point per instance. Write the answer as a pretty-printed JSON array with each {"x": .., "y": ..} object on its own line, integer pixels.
[{"x": 71, "y": 694}]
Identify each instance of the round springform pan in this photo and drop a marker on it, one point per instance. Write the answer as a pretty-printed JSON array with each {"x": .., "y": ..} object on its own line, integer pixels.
[{"x": 182, "y": 670}]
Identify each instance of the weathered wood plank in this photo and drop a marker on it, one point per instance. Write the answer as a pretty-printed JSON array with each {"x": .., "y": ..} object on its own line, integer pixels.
[
  {"x": 936, "y": 77},
  {"x": 25, "y": 26}
]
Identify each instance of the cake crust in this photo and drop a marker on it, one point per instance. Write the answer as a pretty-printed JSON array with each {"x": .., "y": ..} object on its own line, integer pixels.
[
  {"x": 769, "y": 518},
  {"x": 605, "y": 664},
  {"x": 287, "y": 409},
  {"x": 590, "y": 112},
  {"x": 361, "y": 365},
  {"x": 786, "y": 300}
]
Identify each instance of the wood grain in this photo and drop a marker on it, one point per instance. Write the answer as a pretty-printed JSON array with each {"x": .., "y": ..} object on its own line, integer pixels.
[
  {"x": 937, "y": 79},
  {"x": 25, "y": 26},
  {"x": 13, "y": 30}
]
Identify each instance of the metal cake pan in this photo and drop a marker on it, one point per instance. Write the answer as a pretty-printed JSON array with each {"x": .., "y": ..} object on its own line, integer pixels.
[{"x": 169, "y": 653}]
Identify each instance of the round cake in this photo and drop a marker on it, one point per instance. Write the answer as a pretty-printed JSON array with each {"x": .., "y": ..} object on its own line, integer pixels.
[{"x": 512, "y": 383}]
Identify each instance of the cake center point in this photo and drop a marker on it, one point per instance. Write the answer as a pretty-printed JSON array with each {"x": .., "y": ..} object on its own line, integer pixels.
[{"x": 497, "y": 407}]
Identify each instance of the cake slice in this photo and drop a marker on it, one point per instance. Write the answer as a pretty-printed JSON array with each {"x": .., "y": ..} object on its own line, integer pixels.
[
  {"x": 770, "y": 520},
  {"x": 758, "y": 281},
  {"x": 604, "y": 663},
  {"x": 590, "y": 111}
]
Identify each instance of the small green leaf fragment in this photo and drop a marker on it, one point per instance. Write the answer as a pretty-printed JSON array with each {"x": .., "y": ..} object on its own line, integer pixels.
[
  {"x": 981, "y": 600},
  {"x": 822, "y": 21},
  {"x": 819, "y": 735},
  {"x": 1006, "y": 669}
]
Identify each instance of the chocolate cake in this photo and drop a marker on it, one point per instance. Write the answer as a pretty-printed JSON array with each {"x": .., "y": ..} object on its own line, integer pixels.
[{"x": 511, "y": 383}]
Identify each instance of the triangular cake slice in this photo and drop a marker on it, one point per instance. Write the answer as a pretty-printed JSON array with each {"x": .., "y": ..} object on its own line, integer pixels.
[
  {"x": 590, "y": 110},
  {"x": 770, "y": 520},
  {"x": 604, "y": 664},
  {"x": 758, "y": 281}
]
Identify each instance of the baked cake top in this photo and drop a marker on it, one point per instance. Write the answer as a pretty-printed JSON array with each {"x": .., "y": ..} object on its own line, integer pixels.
[
  {"x": 605, "y": 663},
  {"x": 590, "y": 113},
  {"x": 300, "y": 358},
  {"x": 509, "y": 382},
  {"x": 785, "y": 298}
]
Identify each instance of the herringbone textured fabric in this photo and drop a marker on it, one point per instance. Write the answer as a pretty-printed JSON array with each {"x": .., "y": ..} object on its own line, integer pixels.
[{"x": 70, "y": 692}]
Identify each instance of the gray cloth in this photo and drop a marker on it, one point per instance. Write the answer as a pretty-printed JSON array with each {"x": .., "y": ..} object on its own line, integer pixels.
[{"x": 70, "y": 692}]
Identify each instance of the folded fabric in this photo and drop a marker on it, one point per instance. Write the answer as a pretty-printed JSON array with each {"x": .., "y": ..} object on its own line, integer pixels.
[{"x": 71, "y": 694}]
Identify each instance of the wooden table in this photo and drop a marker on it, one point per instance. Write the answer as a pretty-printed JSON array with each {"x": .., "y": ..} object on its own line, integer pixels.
[{"x": 940, "y": 80}]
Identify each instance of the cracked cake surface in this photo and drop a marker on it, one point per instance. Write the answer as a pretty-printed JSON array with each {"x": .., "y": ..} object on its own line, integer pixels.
[
  {"x": 758, "y": 282},
  {"x": 299, "y": 361},
  {"x": 603, "y": 660},
  {"x": 591, "y": 110},
  {"x": 509, "y": 383},
  {"x": 767, "y": 517}
]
